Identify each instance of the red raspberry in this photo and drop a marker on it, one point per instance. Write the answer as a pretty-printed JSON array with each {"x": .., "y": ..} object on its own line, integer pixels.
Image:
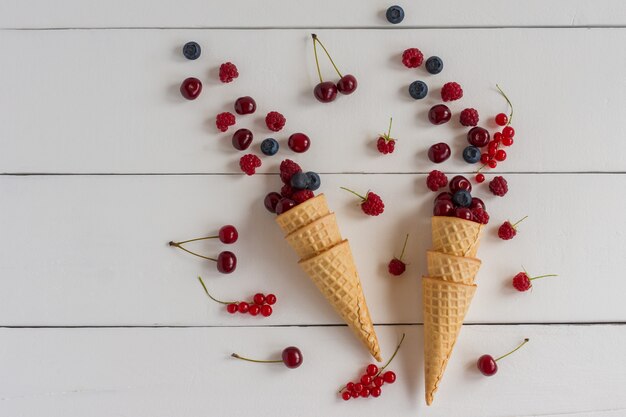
[
  {"x": 498, "y": 186},
  {"x": 249, "y": 163},
  {"x": 521, "y": 282},
  {"x": 412, "y": 58},
  {"x": 436, "y": 180},
  {"x": 451, "y": 91},
  {"x": 506, "y": 231},
  {"x": 228, "y": 72},
  {"x": 302, "y": 195},
  {"x": 469, "y": 117},
  {"x": 224, "y": 120},
  {"x": 286, "y": 191},
  {"x": 287, "y": 169},
  {"x": 275, "y": 121},
  {"x": 385, "y": 146},
  {"x": 372, "y": 205},
  {"x": 480, "y": 215}
]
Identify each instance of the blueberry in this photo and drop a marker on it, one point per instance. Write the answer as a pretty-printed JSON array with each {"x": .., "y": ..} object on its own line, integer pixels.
[
  {"x": 300, "y": 181},
  {"x": 269, "y": 146},
  {"x": 434, "y": 65},
  {"x": 192, "y": 50},
  {"x": 471, "y": 154},
  {"x": 462, "y": 198},
  {"x": 395, "y": 14},
  {"x": 314, "y": 180},
  {"x": 418, "y": 90}
]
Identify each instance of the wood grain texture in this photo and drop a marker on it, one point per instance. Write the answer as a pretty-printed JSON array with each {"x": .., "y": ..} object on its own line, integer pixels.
[
  {"x": 108, "y": 101},
  {"x": 188, "y": 372},
  {"x": 92, "y": 250}
]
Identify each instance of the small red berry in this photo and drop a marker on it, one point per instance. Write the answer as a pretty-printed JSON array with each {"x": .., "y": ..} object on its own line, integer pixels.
[
  {"x": 355, "y": 394},
  {"x": 266, "y": 310},
  {"x": 287, "y": 169},
  {"x": 396, "y": 267},
  {"x": 375, "y": 391},
  {"x": 497, "y": 137},
  {"x": 226, "y": 262},
  {"x": 299, "y": 142},
  {"x": 385, "y": 143},
  {"x": 389, "y": 377},
  {"x": 479, "y": 178},
  {"x": 365, "y": 392},
  {"x": 492, "y": 164},
  {"x": 259, "y": 299},
  {"x": 350, "y": 386},
  {"x": 346, "y": 395},
  {"x": 228, "y": 234},
  {"x": 371, "y": 369},
  {"x": 498, "y": 186},
  {"x": 301, "y": 196},
  {"x": 371, "y": 203},
  {"x": 286, "y": 191},
  {"x": 480, "y": 215},
  {"x": 436, "y": 180},
  {"x": 507, "y": 141},
  {"x": 254, "y": 310},
  {"x": 249, "y": 163},
  {"x": 451, "y": 91},
  {"x": 412, "y": 58},
  {"x": 443, "y": 208},
  {"x": 228, "y": 72},
  {"x": 243, "y": 307},
  {"x": 508, "y": 131},
  {"x": 232, "y": 308},
  {"x": 275, "y": 121},
  {"x": 224, "y": 120},
  {"x": 469, "y": 117},
  {"x": 501, "y": 119},
  {"x": 484, "y": 158},
  {"x": 506, "y": 231},
  {"x": 245, "y": 105},
  {"x": 366, "y": 380},
  {"x": 379, "y": 381},
  {"x": 459, "y": 182},
  {"x": 270, "y": 299},
  {"x": 522, "y": 282},
  {"x": 500, "y": 155},
  {"x": 191, "y": 88},
  {"x": 271, "y": 200},
  {"x": 358, "y": 387},
  {"x": 292, "y": 357}
]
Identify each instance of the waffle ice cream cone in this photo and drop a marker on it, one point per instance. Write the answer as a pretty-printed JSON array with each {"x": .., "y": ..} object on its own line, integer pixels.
[
  {"x": 455, "y": 236},
  {"x": 303, "y": 214},
  {"x": 452, "y": 268},
  {"x": 445, "y": 306},
  {"x": 315, "y": 237},
  {"x": 334, "y": 273}
]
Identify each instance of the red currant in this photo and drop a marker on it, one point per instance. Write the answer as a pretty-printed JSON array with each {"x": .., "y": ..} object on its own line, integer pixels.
[
  {"x": 379, "y": 381},
  {"x": 366, "y": 380},
  {"x": 375, "y": 391},
  {"x": 254, "y": 310},
  {"x": 365, "y": 393},
  {"x": 507, "y": 141},
  {"x": 358, "y": 387},
  {"x": 243, "y": 307},
  {"x": 266, "y": 310},
  {"x": 372, "y": 369},
  {"x": 389, "y": 377},
  {"x": 508, "y": 131},
  {"x": 355, "y": 394},
  {"x": 491, "y": 152},
  {"x": 479, "y": 178},
  {"x": 259, "y": 299},
  {"x": 501, "y": 119},
  {"x": 270, "y": 299},
  {"x": 500, "y": 155},
  {"x": 350, "y": 386},
  {"x": 228, "y": 234},
  {"x": 346, "y": 395},
  {"x": 484, "y": 158},
  {"x": 493, "y": 163},
  {"x": 232, "y": 308}
]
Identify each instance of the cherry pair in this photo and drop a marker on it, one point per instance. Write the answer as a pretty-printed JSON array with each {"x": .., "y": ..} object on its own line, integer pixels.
[
  {"x": 226, "y": 261},
  {"x": 326, "y": 91},
  {"x": 261, "y": 304}
]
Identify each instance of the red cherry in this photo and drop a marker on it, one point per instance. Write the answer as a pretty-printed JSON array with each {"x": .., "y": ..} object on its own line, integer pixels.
[
  {"x": 484, "y": 158},
  {"x": 500, "y": 155},
  {"x": 459, "y": 182},
  {"x": 346, "y": 395},
  {"x": 487, "y": 365},
  {"x": 507, "y": 141},
  {"x": 389, "y": 377},
  {"x": 347, "y": 84},
  {"x": 299, "y": 142},
  {"x": 228, "y": 234},
  {"x": 242, "y": 139},
  {"x": 325, "y": 92},
  {"x": 477, "y": 203},
  {"x": 463, "y": 213},
  {"x": 285, "y": 204},
  {"x": 292, "y": 357},
  {"x": 191, "y": 88},
  {"x": 501, "y": 119},
  {"x": 443, "y": 208},
  {"x": 375, "y": 391},
  {"x": 508, "y": 132},
  {"x": 366, "y": 380},
  {"x": 254, "y": 310},
  {"x": 259, "y": 299},
  {"x": 270, "y": 299},
  {"x": 271, "y": 200},
  {"x": 439, "y": 114},
  {"x": 365, "y": 393},
  {"x": 478, "y": 136},
  {"x": 371, "y": 369},
  {"x": 266, "y": 310},
  {"x": 439, "y": 152},
  {"x": 379, "y": 381},
  {"x": 226, "y": 262},
  {"x": 479, "y": 178},
  {"x": 444, "y": 196},
  {"x": 232, "y": 308},
  {"x": 243, "y": 307},
  {"x": 245, "y": 105},
  {"x": 493, "y": 164}
]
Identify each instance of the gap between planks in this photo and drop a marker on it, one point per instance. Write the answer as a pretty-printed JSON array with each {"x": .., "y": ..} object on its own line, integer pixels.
[
  {"x": 167, "y": 174},
  {"x": 466, "y": 27}
]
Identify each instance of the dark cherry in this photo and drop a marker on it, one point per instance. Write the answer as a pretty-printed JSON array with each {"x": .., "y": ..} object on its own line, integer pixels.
[
  {"x": 439, "y": 152},
  {"x": 443, "y": 208},
  {"x": 444, "y": 196},
  {"x": 347, "y": 84},
  {"x": 242, "y": 139},
  {"x": 292, "y": 357},
  {"x": 478, "y": 136},
  {"x": 487, "y": 365},
  {"x": 284, "y": 204},
  {"x": 226, "y": 262},
  {"x": 299, "y": 142},
  {"x": 325, "y": 92},
  {"x": 191, "y": 88},
  {"x": 477, "y": 203},
  {"x": 245, "y": 105},
  {"x": 228, "y": 234},
  {"x": 271, "y": 200},
  {"x": 439, "y": 114},
  {"x": 459, "y": 182},
  {"x": 463, "y": 213}
]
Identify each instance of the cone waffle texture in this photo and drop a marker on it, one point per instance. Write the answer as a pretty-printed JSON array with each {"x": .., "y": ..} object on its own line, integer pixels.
[
  {"x": 445, "y": 306},
  {"x": 455, "y": 236},
  {"x": 335, "y": 275},
  {"x": 452, "y": 268},
  {"x": 303, "y": 214},
  {"x": 315, "y": 237}
]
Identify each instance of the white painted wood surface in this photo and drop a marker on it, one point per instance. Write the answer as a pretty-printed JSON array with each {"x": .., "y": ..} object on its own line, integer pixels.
[{"x": 90, "y": 250}]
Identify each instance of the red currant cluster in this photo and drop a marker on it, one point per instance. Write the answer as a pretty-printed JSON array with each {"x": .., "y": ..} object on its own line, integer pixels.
[
  {"x": 297, "y": 187},
  {"x": 226, "y": 261},
  {"x": 326, "y": 91},
  {"x": 261, "y": 303}
]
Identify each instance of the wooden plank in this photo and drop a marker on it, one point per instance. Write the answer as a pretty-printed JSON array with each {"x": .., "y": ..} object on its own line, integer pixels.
[
  {"x": 323, "y": 13},
  {"x": 92, "y": 250},
  {"x": 107, "y": 101},
  {"x": 564, "y": 370}
]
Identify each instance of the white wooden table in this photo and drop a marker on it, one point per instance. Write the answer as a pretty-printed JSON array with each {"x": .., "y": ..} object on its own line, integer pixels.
[{"x": 103, "y": 162}]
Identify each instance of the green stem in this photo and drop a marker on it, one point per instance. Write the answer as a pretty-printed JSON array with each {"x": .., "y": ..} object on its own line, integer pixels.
[
  {"x": 508, "y": 101},
  {"x": 358, "y": 195},
  {"x": 192, "y": 240},
  {"x": 315, "y": 38},
  {"x": 389, "y": 132},
  {"x": 404, "y": 247},
  {"x": 504, "y": 356},
  {"x": 519, "y": 221},
  {"x": 193, "y": 253},
  {"x": 317, "y": 63},
  {"x": 543, "y": 276},
  {"x": 234, "y": 355},
  {"x": 211, "y": 297}
]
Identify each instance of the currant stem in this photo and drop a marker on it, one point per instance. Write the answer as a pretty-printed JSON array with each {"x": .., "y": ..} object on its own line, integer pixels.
[
  {"x": 508, "y": 101},
  {"x": 543, "y": 276},
  {"x": 404, "y": 247},
  {"x": 315, "y": 38},
  {"x": 234, "y": 355},
  {"x": 192, "y": 240},
  {"x": 212, "y": 298},
  {"x": 504, "y": 356},
  {"x": 317, "y": 63},
  {"x": 177, "y": 245},
  {"x": 519, "y": 221},
  {"x": 356, "y": 194}
]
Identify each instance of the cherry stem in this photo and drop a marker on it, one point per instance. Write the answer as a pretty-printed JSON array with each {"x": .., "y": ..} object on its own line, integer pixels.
[
  {"x": 519, "y": 221},
  {"x": 193, "y": 240},
  {"x": 543, "y": 276},
  {"x": 212, "y": 298},
  {"x": 508, "y": 101},
  {"x": 404, "y": 247},
  {"x": 504, "y": 356},
  {"x": 356, "y": 194},
  {"x": 316, "y": 39},
  {"x": 177, "y": 245},
  {"x": 234, "y": 355},
  {"x": 317, "y": 63}
]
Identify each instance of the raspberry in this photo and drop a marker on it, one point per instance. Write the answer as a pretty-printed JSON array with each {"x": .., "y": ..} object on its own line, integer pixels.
[
  {"x": 249, "y": 163},
  {"x": 436, "y": 180},
  {"x": 385, "y": 146},
  {"x": 412, "y": 58},
  {"x": 302, "y": 196},
  {"x": 469, "y": 117},
  {"x": 287, "y": 169},
  {"x": 372, "y": 205},
  {"x": 286, "y": 191},
  {"x": 506, "y": 231},
  {"x": 451, "y": 91},
  {"x": 224, "y": 120},
  {"x": 228, "y": 72},
  {"x": 480, "y": 215},
  {"x": 275, "y": 121},
  {"x": 396, "y": 267},
  {"x": 498, "y": 186},
  {"x": 521, "y": 282}
]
